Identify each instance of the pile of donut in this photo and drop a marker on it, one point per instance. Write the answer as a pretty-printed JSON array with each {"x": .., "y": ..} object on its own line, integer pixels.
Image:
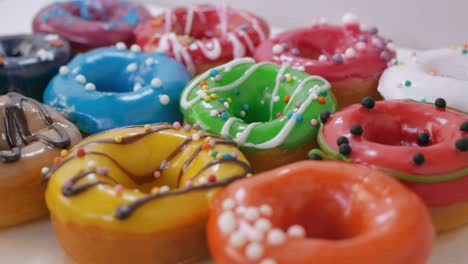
[{"x": 193, "y": 134}]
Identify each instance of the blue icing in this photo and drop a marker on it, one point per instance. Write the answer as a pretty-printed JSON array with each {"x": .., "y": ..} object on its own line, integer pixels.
[
  {"x": 132, "y": 16},
  {"x": 114, "y": 103}
]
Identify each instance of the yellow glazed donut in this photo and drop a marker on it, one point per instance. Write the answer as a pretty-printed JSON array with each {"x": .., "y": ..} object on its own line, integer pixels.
[{"x": 140, "y": 194}]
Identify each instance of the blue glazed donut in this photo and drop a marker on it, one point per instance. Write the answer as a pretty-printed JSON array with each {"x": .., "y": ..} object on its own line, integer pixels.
[
  {"x": 28, "y": 62},
  {"x": 114, "y": 87}
]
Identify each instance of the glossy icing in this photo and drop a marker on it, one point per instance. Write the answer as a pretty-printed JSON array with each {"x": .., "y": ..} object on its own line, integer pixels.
[
  {"x": 260, "y": 106},
  {"x": 91, "y": 24},
  {"x": 142, "y": 179},
  {"x": 139, "y": 88},
  {"x": 28, "y": 62},
  {"x": 334, "y": 52},
  {"x": 429, "y": 75},
  {"x": 389, "y": 142},
  {"x": 194, "y": 35},
  {"x": 311, "y": 212}
]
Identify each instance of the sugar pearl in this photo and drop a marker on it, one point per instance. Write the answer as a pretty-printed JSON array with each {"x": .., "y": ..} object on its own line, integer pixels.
[
  {"x": 276, "y": 237},
  {"x": 164, "y": 99},
  {"x": 237, "y": 239},
  {"x": 156, "y": 83},
  {"x": 251, "y": 213},
  {"x": 266, "y": 210},
  {"x": 213, "y": 113},
  {"x": 268, "y": 261},
  {"x": 263, "y": 224},
  {"x": 228, "y": 204},
  {"x": 136, "y": 87},
  {"x": 349, "y": 18},
  {"x": 361, "y": 46},
  {"x": 255, "y": 235},
  {"x": 164, "y": 189},
  {"x": 296, "y": 231},
  {"x": 132, "y": 67},
  {"x": 63, "y": 70},
  {"x": 322, "y": 57},
  {"x": 196, "y": 137},
  {"x": 45, "y": 170},
  {"x": 149, "y": 61},
  {"x": 80, "y": 78},
  {"x": 254, "y": 251},
  {"x": 90, "y": 87},
  {"x": 120, "y": 46},
  {"x": 135, "y": 48},
  {"x": 227, "y": 222},
  {"x": 277, "y": 49},
  {"x": 350, "y": 52}
]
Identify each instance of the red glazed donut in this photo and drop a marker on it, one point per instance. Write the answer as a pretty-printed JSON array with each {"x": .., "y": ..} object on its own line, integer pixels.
[
  {"x": 91, "y": 24},
  {"x": 350, "y": 58},
  {"x": 198, "y": 37},
  {"x": 325, "y": 213},
  {"x": 423, "y": 145}
]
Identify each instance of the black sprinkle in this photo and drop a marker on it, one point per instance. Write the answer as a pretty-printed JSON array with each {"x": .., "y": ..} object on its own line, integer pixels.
[
  {"x": 123, "y": 212},
  {"x": 345, "y": 149},
  {"x": 324, "y": 116},
  {"x": 67, "y": 191},
  {"x": 337, "y": 58},
  {"x": 418, "y": 158},
  {"x": 368, "y": 102},
  {"x": 342, "y": 140},
  {"x": 356, "y": 130},
  {"x": 423, "y": 139},
  {"x": 462, "y": 144},
  {"x": 374, "y": 30},
  {"x": 315, "y": 157},
  {"x": 464, "y": 127},
  {"x": 440, "y": 103}
]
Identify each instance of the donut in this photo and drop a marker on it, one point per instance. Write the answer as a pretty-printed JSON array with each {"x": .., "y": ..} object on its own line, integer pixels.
[
  {"x": 152, "y": 185},
  {"x": 28, "y": 62},
  {"x": 428, "y": 76},
  {"x": 139, "y": 88},
  {"x": 271, "y": 111},
  {"x": 203, "y": 36},
  {"x": 348, "y": 56},
  {"x": 327, "y": 213},
  {"x": 91, "y": 24},
  {"x": 423, "y": 145},
  {"x": 31, "y": 134}
]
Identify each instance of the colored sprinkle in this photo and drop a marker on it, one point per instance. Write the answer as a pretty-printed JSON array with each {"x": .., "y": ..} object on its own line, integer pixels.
[
  {"x": 214, "y": 72},
  {"x": 207, "y": 99},
  {"x": 338, "y": 59},
  {"x": 148, "y": 127},
  {"x": 342, "y": 140},
  {"x": 156, "y": 174},
  {"x": 102, "y": 171},
  {"x": 229, "y": 100},
  {"x": 345, "y": 149},
  {"x": 418, "y": 158},
  {"x": 205, "y": 87},
  {"x": 202, "y": 83},
  {"x": 64, "y": 153},
  {"x": 323, "y": 92},
  {"x": 321, "y": 100},
  {"x": 224, "y": 115},
  {"x": 453, "y": 47},
  {"x": 356, "y": 130},
  {"x": 324, "y": 116},
  {"x": 289, "y": 78},
  {"x": 368, "y": 102},
  {"x": 219, "y": 156},
  {"x": 407, "y": 83},
  {"x": 206, "y": 146},
  {"x": 440, "y": 103},
  {"x": 218, "y": 77},
  {"x": 464, "y": 127},
  {"x": 313, "y": 122},
  {"x": 290, "y": 115},
  {"x": 462, "y": 144},
  {"x": 278, "y": 115},
  {"x": 423, "y": 139},
  {"x": 213, "y": 96},
  {"x": 80, "y": 152},
  {"x": 245, "y": 107},
  {"x": 286, "y": 98},
  {"x": 214, "y": 153},
  {"x": 187, "y": 127},
  {"x": 118, "y": 139},
  {"x": 57, "y": 160},
  {"x": 118, "y": 189},
  {"x": 299, "y": 117},
  {"x": 176, "y": 125},
  {"x": 212, "y": 178}
]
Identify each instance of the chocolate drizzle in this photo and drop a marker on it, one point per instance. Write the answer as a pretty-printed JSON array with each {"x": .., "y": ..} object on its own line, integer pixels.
[
  {"x": 16, "y": 128},
  {"x": 70, "y": 189}
]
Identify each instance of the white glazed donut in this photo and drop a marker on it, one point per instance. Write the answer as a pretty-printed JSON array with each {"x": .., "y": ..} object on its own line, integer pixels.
[{"x": 430, "y": 75}]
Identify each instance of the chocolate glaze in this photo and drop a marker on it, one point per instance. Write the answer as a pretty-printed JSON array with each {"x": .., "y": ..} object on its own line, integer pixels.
[
  {"x": 125, "y": 211},
  {"x": 18, "y": 133}
]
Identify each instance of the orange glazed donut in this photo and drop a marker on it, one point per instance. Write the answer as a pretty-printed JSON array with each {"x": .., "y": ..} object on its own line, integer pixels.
[{"x": 325, "y": 213}]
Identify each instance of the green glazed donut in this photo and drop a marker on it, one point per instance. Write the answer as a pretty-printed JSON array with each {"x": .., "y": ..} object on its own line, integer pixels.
[{"x": 260, "y": 106}]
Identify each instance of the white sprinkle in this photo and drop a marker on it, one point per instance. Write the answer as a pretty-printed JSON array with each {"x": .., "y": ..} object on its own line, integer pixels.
[
  {"x": 322, "y": 57},
  {"x": 300, "y": 68},
  {"x": 45, "y": 55},
  {"x": 255, "y": 235},
  {"x": 135, "y": 48},
  {"x": 242, "y": 112},
  {"x": 268, "y": 261},
  {"x": 51, "y": 37},
  {"x": 164, "y": 99},
  {"x": 63, "y": 70},
  {"x": 196, "y": 137},
  {"x": 240, "y": 210},
  {"x": 266, "y": 210},
  {"x": 213, "y": 113},
  {"x": 121, "y": 46},
  {"x": 80, "y": 78},
  {"x": 227, "y": 222},
  {"x": 226, "y": 104},
  {"x": 156, "y": 83},
  {"x": 376, "y": 41},
  {"x": 296, "y": 231},
  {"x": 92, "y": 164},
  {"x": 149, "y": 61},
  {"x": 361, "y": 45},
  {"x": 349, "y": 18},
  {"x": 227, "y": 68},
  {"x": 237, "y": 239},
  {"x": 202, "y": 180},
  {"x": 132, "y": 67},
  {"x": 276, "y": 237},
  {"x": 251, "y": 213},
  {"x": 254, "y": 251},
  {"x": 263, "y": 224},
  {"x": 277, "y": 49},
  {"x": 164, "y": 189},
  {"x": 228, "y": 204},
  {"x": 136, "y": 87},
  {"x": 276, "y": 99},
  {"x": 349, "y": 53},
  {"x": 45, "y": 170},
  {"x": 193, "y": 46},
  {"x": 90, "y": 87}
]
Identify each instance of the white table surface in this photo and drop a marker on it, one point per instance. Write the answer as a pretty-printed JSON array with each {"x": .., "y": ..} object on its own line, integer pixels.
[{"x": 35, "y": 243}]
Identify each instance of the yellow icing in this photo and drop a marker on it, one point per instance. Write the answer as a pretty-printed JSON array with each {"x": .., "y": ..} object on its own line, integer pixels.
[{"x": 98, "y": 205}]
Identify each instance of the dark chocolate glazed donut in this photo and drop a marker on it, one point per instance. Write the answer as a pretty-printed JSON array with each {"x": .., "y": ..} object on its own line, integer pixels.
[
  {"x": 28, "y": 62},
  {"x": 91, "y": 24}
]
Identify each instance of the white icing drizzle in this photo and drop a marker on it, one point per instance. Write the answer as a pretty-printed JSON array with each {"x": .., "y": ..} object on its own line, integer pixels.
[
  {"x": 215, "y": 52},
  {"x": 243, "y": 136},
  {"x": 247, "y": 39},
  {"x": 277, "y": 84},
  {"x": 227, "y": 126},
  {"x": 168, "y": 20},
  {"x": 255, "y": 25},
  {"x": 189, "y": 22},
  {"x": 238, "y": 49},
  {"x": 180, "y": 53}
]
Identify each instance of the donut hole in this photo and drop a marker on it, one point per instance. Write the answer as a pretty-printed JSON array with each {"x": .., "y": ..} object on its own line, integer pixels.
[
  {"x": 116, "y": 65},
  {"x": 16, "y": 47},
  {"x": 397, "y": 130},
  {"x": 449, "y": 66}
]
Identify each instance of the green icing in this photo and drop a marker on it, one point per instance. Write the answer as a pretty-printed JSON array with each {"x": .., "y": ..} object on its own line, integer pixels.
[
  {"x": 327, "y": 153},
  {"x": 257, "y": 94}
]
